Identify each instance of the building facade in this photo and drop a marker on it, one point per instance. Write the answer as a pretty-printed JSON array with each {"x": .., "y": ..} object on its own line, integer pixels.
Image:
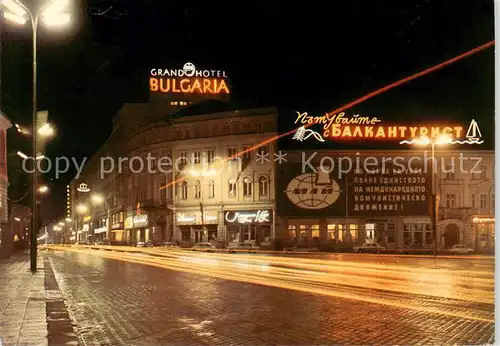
[
  {"x": 6, "y": 236},
  {"x": 179, "y": 178},
  {"x": 334, "y": 199}
]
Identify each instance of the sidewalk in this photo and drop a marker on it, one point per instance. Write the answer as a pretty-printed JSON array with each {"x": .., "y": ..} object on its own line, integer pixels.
[
  {"x": 32, "y": 311},
  {"x": 22, "y": 302}
]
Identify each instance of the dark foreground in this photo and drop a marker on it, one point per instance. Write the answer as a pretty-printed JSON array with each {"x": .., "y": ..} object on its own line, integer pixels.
[{"x": 349, "y": 300}]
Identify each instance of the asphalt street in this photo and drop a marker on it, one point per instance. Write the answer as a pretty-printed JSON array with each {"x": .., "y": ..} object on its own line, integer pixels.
[{"x": 241, "y": 299}]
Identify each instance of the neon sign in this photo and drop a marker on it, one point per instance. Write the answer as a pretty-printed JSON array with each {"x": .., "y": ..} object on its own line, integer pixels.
[
  {"x": 188, "y": 80},
  {"x": 340, "y": 126},
  {"x": 246, "y": 217}
]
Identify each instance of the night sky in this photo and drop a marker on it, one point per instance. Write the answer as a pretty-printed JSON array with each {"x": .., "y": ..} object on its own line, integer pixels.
[{"x": 309, "y": 56}]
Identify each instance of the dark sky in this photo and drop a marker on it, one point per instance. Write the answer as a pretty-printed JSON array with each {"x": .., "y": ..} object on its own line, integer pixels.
[{"x": 313, "y": 56}]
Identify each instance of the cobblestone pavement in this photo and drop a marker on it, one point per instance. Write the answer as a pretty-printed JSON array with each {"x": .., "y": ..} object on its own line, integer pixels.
[{"x": 115, "y": 302}]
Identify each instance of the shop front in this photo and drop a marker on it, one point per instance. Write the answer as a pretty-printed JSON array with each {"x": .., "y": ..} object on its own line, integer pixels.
[
  {"x": 322, "y": 207},
  {"x": 484, "y": 230},
  {"x": 249, "y": 226},
  {"x": 197, "y": 229},
  {"x": 142, "y": 232},
  {"x": 117, "y": 233},
  {"x": 128, "y": 226}
]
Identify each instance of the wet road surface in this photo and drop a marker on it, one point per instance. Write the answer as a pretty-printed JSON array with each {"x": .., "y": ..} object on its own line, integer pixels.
[{"x": 196, "y": 298}]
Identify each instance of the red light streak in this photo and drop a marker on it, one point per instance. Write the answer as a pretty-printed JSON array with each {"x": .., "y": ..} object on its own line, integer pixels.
[{"x": 368, "y": 96}]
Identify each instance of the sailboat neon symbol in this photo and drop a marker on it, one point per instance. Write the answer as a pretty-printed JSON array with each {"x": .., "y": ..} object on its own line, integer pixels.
[{"x": 473, "y": 135}]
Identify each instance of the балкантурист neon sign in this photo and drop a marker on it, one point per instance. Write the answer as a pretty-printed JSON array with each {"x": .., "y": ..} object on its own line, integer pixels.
[
  {"x": 188, "y": 80},
  {"x": 341, "y": 126}
]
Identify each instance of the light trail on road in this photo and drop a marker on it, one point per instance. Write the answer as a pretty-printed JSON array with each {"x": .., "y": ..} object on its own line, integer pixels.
[{"x": 404, "y": 286}]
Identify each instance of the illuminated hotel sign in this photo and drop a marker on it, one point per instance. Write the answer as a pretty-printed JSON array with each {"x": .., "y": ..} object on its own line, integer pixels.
[
  {"x": 188, "y": 80},
  {"x": 341, "y": 126}
]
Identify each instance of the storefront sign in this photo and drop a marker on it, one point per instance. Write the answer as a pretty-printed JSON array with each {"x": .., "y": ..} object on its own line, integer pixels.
[
  {"x": 195, "y": 218},
  {"x": 83, "y": 188},
  {"x": 140, "y": 220},
  {"x": 100, "y": 230},
  {"x": 188, "y": 80},
  {"x": 86, "y": 218},
  {"x": 117, "y": 225},
  {"x": 342, "y": 126},
  {"x": 248, "y": 217},
  {"x": 85, "y": 227},
  {"x": 416, "y": 220},
  {"x": 313, "y": 190},
  {"x": 129, "y": 222}
]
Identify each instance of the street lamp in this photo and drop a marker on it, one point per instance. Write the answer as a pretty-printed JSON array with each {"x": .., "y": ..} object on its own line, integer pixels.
[
  {"x": 43, "y": 189},
  {"x": 96, "y": 199},
  {"x": 81, "y": 208},
  {"x": 51, "y": 14},
  {"x": 46, "y": 130},
  {"x": 439, "y": 141}
]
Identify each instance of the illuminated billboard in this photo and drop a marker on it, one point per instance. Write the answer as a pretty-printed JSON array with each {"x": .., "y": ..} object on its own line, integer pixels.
[{"x": 188, "y": 80}]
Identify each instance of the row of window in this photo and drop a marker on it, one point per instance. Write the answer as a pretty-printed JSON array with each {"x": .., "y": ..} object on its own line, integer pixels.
[
  {"x": 479, "y": 173},
  {"x": 452, "y": 201},
  {"x": 248, "y": 188},
  {"x": 335, "y": 232},
  {"x": 208, "y": 155}
]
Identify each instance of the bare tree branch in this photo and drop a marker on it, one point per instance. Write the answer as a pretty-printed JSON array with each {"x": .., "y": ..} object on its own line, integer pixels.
[{"x": 107, "y": 8}]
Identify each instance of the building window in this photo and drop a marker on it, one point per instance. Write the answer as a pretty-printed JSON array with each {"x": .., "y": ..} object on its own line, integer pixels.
[
  {"x": 231, "y": 152},
  {"x": 184, "y": 190},
  {"x": 263, "y": 186},
  {"x": 451, "y": 200},
  {"x": 183, "y": 158},
  {"x": 450, "y": 175},
  {"x": 211, "y": 189},
  {"x": 210, "y": 155},
  {"x": 482, "y": 201},
  {"x": 353, "y": 232},
  {"x": 247, "y": 187},
  {"x": 473, "y": 201},
  {"x": 304, "y": 230},
  {"x": 292, "y": 232},
  {"x": 247, "y": 155},
  {"x": 231, "y": 188},
  {"x": 197, "y": 190},
  {"x": 483, "y": 172},
  {"x": 196, "y": 157},
  {"x": 314, "y": 231}
]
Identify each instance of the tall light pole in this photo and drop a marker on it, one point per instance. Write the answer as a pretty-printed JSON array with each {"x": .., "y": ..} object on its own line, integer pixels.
[
  {"x": 52, "y": 15},
  {"x": 426, "y": 141}
]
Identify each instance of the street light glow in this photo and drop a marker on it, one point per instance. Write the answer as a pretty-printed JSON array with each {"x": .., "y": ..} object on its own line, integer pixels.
[
  {"x": 81, "y": 208},
  {"x": 443, "y": 139},
  {"x": 68, "y": 219},
  {"x": 43, "y": 189},
  {"x": 56, "y": 20},
  {"x": 14, "y": 8},
  {"x": 46, "y": 130},
  {"x": 97, "y": 198},
  {"x": 61, "y": 223},
  {"x": 17, "y": 219},
  {"x": 52, "y": 15},
  {"x": 11, "y": 17}
]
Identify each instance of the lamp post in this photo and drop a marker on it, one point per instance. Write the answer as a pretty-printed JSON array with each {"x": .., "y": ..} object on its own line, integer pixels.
[
  {"x": 95, "y": 200},
  {"x": 51, "y": 14},
  {"x": 426, "y": 141}
]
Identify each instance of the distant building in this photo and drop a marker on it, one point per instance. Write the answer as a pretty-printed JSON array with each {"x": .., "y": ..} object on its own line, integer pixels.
[{"x": 6, "y": 237}]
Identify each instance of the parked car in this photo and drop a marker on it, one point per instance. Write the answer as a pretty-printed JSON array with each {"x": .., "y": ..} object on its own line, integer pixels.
[
  {"x": 369, "y": 248},
  {"x": 149, "y": 243},
  {"x": 206, "y": 247},
  {"x": 241, "y": 247},
  {"x": 459, "y": 249},
  {"x": 103, "y": 242}
]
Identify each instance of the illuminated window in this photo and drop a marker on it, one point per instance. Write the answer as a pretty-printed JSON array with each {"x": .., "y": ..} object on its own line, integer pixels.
[
  {"x": 247, "y": 187},
  {"x": 482, "y": 201},
  {"x": 292, "y": 232},
  {"x": 353, "y": 232},
  {"x": 196, "y": 157},
  {"x": 263, "y": 186},
  {"x": 451, "y": 200},
  {"x": 197, "y": 190},
  {"x": 211, "y": 189},
  {"x": 184, "y": 190},
  {"x": 232, "y": 188},
  {"x": 304, "y": 230},
  {"x": 315, "y": 231}
]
